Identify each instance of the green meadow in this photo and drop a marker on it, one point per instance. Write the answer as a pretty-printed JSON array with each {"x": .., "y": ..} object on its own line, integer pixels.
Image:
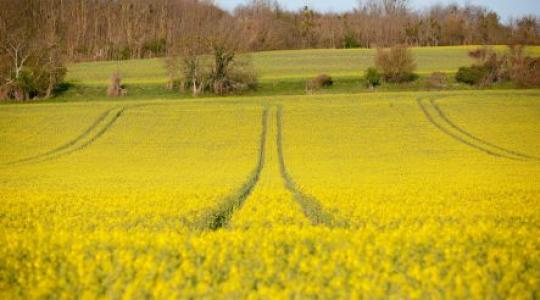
[{"x": 280, "y": 72}]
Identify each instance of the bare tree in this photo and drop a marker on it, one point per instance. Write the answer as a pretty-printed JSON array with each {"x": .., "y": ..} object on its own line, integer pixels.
[
  {"x": 206, "y": 59},
  {"x": 396, "y": 64},
  {"x": 30, "y": 49}
]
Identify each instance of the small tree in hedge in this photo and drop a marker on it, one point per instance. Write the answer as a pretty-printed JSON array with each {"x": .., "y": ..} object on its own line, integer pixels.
[
  {"x": 228, "y": 74},
  {"x": 116, "y": 89},
  {"x": 191, "y": 68},
  {"x": 396, "y": 64},
  {"x": 373, "y": 77},
  {"x": 319, "y": 82},
  {"x": 523, "y": 71}
]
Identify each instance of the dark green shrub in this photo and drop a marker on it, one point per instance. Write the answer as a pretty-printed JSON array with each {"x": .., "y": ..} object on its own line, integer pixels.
[
  {"x": 350, "y": 42},
  {"x": 489, "y": 67},
  {"x": 373, "y": 77},
  {"x": 473, "y": 75},
  {"x": 155, "y": 47}
]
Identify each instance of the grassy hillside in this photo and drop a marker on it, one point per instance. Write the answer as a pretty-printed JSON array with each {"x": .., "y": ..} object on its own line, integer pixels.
[{"x": 281, "y": 72}]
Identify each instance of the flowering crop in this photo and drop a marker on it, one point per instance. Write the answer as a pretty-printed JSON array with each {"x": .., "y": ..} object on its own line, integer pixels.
[{"x": 349, "y": 197}]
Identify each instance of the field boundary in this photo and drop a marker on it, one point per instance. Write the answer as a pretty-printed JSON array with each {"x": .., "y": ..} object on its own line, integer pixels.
[
  {"x": 311, "y": 207},
  {"x": 441, "y": 121},
  {"x": 220, "y": 217}
]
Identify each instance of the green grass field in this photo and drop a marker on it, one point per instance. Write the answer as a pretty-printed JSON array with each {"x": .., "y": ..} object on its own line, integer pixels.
[
  {"x": 375, "y": 195},
  {"x": 280, "y": 72}
]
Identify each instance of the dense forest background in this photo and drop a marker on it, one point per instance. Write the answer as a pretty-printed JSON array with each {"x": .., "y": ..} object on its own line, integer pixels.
[{"x": 124, "y": 29}]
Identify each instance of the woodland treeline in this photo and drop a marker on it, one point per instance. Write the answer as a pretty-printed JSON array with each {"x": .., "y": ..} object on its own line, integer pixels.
[
  {"x": 124, "y": 29},
  {"x": 38, "y": 37}
]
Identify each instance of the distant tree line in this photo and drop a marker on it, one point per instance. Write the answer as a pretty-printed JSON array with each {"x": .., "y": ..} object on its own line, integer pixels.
[
  {"x": 379, "y": 23},
  {"x": 38, "y": 37},
  {"x": 124, "y": 29}
]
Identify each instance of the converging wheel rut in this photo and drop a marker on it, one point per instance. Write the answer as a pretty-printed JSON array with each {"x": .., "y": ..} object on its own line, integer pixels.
[
  {"x": 221, "y": 216},
  {"x": 311, "y": 207},
  {"x": 85, "y": 139},
  {"x": 314, "y": 212},
  {"x": 101, "y": 125},
  {"x": 443, "y": 123},
  {"x": 444, "y": 117}
]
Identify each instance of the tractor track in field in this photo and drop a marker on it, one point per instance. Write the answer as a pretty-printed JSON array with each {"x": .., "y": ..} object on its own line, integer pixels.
[
  {"x": 79, "y": 143},
  {"x": 462, "y": 136},
  {"x": 448, "y": 121},
  {"x": 87, "y": 143},
  {"x": 311, "y": 207},
  {"x": 68, "y": 147},
  {"x": 221, "y": 216}
]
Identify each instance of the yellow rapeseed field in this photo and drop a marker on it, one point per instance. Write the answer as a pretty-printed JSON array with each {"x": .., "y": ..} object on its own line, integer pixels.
[{"x": 396, "y": 195}]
